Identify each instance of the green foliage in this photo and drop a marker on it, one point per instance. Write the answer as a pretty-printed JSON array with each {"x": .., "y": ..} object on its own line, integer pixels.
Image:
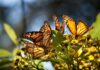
[
  {"x": 95, "y": 32},
  {"x": 4, "y": 53},
  {"x": 5, "y": 59},
  {"x": 57, "y": 39},
  {"x": 5, "y": 62},
  {"x": 11, "y": 33}
]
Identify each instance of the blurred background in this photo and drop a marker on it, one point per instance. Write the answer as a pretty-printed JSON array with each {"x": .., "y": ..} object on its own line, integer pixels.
[{"x": 29, "y": 15}]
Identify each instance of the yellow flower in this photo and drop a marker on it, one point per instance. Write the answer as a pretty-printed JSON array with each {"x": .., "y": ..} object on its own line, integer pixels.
[{"x": 91, "y": 57}]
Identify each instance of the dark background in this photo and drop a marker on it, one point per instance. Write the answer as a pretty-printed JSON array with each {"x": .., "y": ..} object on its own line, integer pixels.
[{"x": 29, "y": 15}]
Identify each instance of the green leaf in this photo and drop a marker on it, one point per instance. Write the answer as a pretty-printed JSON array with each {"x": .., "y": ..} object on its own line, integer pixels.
[
  {"x": 38, "y": 63},
  {"x": 4, "y": 53},
  {"x": 5, "y": 63},
  {"x": 57, "y": 37},
  {"x": 95, "y": 32},
  {"x": 5, "y": 59},
  {"x": 11, "y": 33}
]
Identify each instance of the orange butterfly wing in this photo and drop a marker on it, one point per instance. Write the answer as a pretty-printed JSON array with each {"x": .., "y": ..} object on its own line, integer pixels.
[
  {"x": 70, "y": 24},
  {"x": 34, "y": 36},
  {"x": 46, "y": 29},
  {"x": 29, "y": 47},
  {"x": 42, "y": 37},
  {"x": 82, "y": 28},
  {"x": 34, "y": 50},
  {"x": 41, "y": 40},
  {"x": 57, "y": 25}
]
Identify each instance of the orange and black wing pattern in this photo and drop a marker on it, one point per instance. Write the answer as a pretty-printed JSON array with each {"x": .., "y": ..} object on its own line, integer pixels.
[
  {"x": 57, "y": 25},
  {"x": 40, "y": 38},
  {"x": 46, "y": 29},
  {"x": 34, "y": 36},
  {"x": 30, "y": 47},
  {"x": 34, "y": 50},
  {"x": 82, "y": 28},
  {"x": 71, "y": 24}
]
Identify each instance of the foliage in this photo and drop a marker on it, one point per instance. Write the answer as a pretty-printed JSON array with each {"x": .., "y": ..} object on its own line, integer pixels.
[
  {"x": 5, "y": 59},
  {"x": 11, "y": 33},
  {"x": 4, "y": 53},
  {"x": 95, "y": 33}
]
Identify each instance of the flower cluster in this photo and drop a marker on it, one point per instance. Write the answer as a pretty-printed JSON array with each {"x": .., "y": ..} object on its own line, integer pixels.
[{"x": 69, "y": 53}]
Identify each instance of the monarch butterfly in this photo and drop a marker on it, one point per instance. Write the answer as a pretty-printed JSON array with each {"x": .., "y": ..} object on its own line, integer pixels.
[
  {"x": 57, "y": 24},
  {"x": 41, "y": 38},
  {"x": 78, "y": 30}
]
